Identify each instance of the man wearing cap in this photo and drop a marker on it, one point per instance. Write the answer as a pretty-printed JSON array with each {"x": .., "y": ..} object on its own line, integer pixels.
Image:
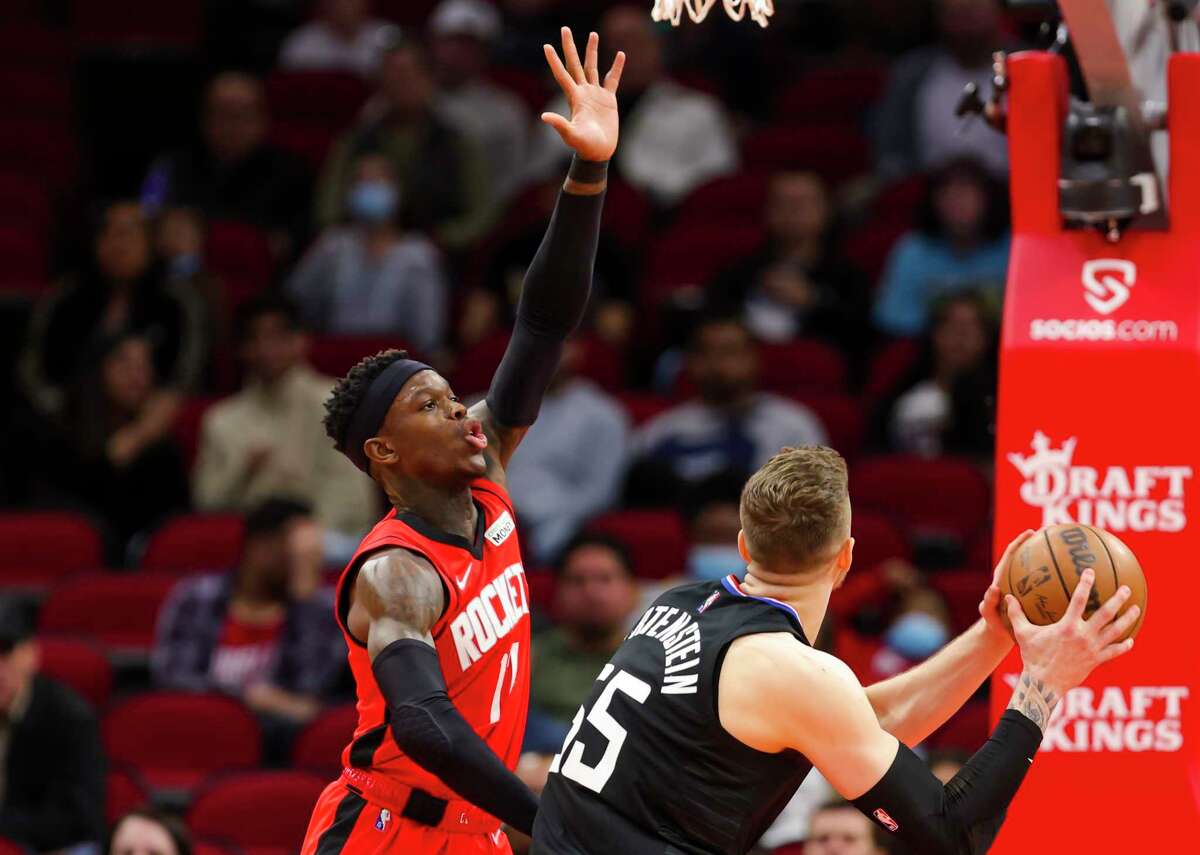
[
  {"x": 462, "y": 33},
  {"x": 51, "y": 762},
  {"x": 434, "y": 605}
]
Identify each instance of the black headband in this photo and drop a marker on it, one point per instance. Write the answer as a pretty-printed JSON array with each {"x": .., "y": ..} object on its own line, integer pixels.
[{"x": 372, "y": 409}]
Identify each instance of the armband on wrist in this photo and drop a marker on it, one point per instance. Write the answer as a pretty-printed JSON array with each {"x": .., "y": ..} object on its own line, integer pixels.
[{"x": 588, "y": 171}]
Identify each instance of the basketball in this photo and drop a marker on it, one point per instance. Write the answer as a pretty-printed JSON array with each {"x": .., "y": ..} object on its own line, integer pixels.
[{"x": 1043, "y": 573}]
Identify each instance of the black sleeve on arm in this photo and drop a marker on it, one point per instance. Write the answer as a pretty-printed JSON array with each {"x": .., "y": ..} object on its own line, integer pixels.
[
  {"x": 430, "y": 730},
  {"x": 553, "y": 299},
  {"x": 964, "y": 817}
]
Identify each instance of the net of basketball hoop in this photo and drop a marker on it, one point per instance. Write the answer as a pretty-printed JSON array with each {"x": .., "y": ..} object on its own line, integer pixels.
[{"x": 672, "y": 10}]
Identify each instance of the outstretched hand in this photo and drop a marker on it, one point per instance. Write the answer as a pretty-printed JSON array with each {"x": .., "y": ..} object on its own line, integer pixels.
[{"x": 592, "y": 129}]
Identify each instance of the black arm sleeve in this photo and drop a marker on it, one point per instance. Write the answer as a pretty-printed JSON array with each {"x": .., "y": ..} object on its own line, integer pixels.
[
  {"x": 430, "y": 730},
  {"x": 553, "y": 298},
  {"x": 964, "y": 817}
]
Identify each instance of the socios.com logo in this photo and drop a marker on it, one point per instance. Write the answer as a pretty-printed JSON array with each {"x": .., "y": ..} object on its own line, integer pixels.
[
  {"x": 1107, "y": 283},
  {"x": 1107, "y": 286}
]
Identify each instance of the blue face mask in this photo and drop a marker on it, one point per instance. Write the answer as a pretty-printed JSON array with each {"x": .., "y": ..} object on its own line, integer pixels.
[
  {"x": 916, "y": 636},
  {"x": 714, "y": 562},
  {"x": 373, "y": 201}
]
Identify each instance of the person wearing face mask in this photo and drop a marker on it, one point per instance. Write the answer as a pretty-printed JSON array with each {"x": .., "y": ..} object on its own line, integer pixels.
[
  {"x": 711, "y": 508},
  {"x": 370, "y": 276}
]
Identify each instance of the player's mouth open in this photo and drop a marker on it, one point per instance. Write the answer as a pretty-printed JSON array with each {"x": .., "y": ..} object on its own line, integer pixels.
[{"x": 475, "y": 434}]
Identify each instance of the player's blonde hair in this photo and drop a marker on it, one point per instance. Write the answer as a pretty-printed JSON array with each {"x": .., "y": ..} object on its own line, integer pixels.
[{"x": 795, "y": 508}]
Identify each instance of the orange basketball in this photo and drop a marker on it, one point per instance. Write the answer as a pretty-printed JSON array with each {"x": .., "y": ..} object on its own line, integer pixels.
[{"x": 1043, "y": 573}]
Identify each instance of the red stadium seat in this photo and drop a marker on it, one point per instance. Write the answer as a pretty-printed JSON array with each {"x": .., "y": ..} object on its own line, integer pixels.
[
  {"x": 186, "y": 429},
  {"x": 656, "y": 540},
  {"x": 133, "y": 23},
  {"x": 626, "y": 215},
  {"x": 214, "y": 847},
  {"x": 119, "y": 611},
  {"x": 329, "y": 99},
  {"x": 263, "y": 813},
  {"x": 39, "y": 148},
  {"x": 319, "y": 746},
  {"x": 26, "y": 203},
  {"x": 836, "y": 150},
  {"x": 195, "y": 543},
  {"x": 834, "y": 93},
  {"x": 8, "y": 847},
  {"x": 24, "y": 251},
  {"x": 35, "y": 94},
  {"x": 876, "y": 538},
  {"x": 962, "y": 590},
  {"x": 732, "y": 199},
  {"x": 126, "y": 791},
  {"x": 174, "y": 739},
  {"x": 843, "y": 420},
  {"x": 642, "y": 407},
  {"x": 29, "y": 45},
  {"x": 966, "y": 731},
  {"x": 475, "y": 366},
  {"x": 938, "y": 497},
  {"x": 889, "y": 367},
  {"x": 802, "y": 366},
  {"x": 691, "y": 254},
  {"x": 241, "y": 255},
  {"x": 39, "y": 548},
  {"x": 334, "y": 355},
  {"x": 78, "y": 664},
  {"x": 306, "y": 140},
  {"x": 601, "y": 363},
  {"x": 870, "y": 245}
]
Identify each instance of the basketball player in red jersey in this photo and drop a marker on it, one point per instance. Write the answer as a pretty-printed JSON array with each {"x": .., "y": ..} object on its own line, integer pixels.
[{"x": 434, "y": 604}]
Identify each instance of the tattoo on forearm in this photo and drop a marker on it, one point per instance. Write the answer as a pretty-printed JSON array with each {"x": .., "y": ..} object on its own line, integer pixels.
[{"x": 1034, "y": 700}]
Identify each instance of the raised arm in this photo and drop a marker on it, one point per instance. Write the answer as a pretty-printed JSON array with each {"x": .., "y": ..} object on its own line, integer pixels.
[
  {"x": 398, "y": 598},
  {"x": 912, "y": 705},
  {"x": 559, "y": 278}
]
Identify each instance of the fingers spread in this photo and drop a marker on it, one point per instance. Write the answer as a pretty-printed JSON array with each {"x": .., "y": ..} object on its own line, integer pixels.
[
  {"x": 1079, "y": 599},
  {"x": 557, "y": 122},
  {"x": 1120, "y": 626},
  {"x": 613, "y": 79},
  {"x": 557, "y": 69},
  {"x": 571, "y": 55},
  {"x": 1114, "y": 650},
  {"x": 1112, "y": 605},
  {"x": 591, "y": 62}
]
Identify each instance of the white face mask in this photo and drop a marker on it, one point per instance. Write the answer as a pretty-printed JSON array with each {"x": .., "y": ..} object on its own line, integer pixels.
[{"x": 714, "y": 561}]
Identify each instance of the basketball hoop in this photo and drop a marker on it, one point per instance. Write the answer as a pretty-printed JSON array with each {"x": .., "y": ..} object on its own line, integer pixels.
[{"x": 672, "y": 10}]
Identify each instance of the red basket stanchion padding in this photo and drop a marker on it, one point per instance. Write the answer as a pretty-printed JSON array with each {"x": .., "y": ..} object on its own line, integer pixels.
[
  {"x": 263, "y": 813},
  {"x": 319, "y": 746},
  {"x": 195, "y": 543},
  {"x": 656, "y": 540},
  {"x": 78, "y": 664},
  {"x": 174, "y": 739}
]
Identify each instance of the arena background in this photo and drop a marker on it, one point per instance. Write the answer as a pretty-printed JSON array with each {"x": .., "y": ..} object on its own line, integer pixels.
[{"x": 801, "y": 242}]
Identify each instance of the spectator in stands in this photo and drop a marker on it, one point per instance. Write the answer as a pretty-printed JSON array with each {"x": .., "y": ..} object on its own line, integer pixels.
[
  {"x": 731, "y": 424},
  {"x": 947, "y": 402},
  {"x": 51, "y": 759},
  {"x": 572, "y": 462},
  {"x": 267, "y": 439},
  {"x": 181, "y": 236},
  {"x": 443, "y": 173},
  {"x": 246, "y": 632},
  {"x": 372, "y": 276},
  {"x": 672, "y": 138},
  {"x": 122, "y": 288},
  {"x": 463, "y": 33},
  {"x": 961, "y": 243},
  {"x": 839, "y": 828},
  {"x": 915, "y": 128},
  {"x": 594, "y": 601},
  {"x": 233, "y": 173},
  {"x": 112, "y": 454},
  {"x": 148, "y": 831},
  {"x": 798, "y": 283},
  {"x": 342, "y": 36},
  {"x": 714, "y": 519}
]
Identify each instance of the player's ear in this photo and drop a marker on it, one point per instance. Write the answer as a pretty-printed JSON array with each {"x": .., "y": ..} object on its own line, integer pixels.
[
  {"x": 379, "y": 450},
  {"x": 845, "y": 556},
  {"x": 743, "y": 550}
]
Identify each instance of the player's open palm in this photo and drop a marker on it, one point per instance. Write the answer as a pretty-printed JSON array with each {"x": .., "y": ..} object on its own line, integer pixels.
[
  {"x": 1062, "y": 654},
  {"x": 592, "y": 129}
]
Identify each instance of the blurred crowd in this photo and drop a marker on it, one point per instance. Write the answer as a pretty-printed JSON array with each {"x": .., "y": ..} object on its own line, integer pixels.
[{"x": 209, "y": 209}]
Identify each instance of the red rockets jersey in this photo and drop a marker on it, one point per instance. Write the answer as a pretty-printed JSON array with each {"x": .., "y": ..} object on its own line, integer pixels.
[{"x": 482, "y": 638}]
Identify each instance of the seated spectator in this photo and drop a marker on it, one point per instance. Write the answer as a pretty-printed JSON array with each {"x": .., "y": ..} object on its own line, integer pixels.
[
  {"x": 233, "y": 173},
  {"x": 247, "y": 633},
  {"x": 916, "y": 627},
  {"x": 798, "y": 284},
  {"x": 594, "y": 601},
  {"x": 673, "y": 139},
  {"x": 839, "y": 828},
  {"x": 267, "y": 440},
  {"x": 571, "y": 463},
  {"x": 181, "y": 236},
  {"x": 122, "y": 289},
  {"x": 148, "y": 831},
  {"x": 915, "y": 128},
  {"x": 463, "y": 33},
  {"x": 444, "y": 175},
  {"x": 961, "y": 244},
  {"x": 342, "y": 36},
  {"x": 731, "y": 425},
  {"x": 947, "y": 403},
  {"x": 51, "y": 759},
  {"x": 112, "y": 453},
  {"x": 714, "y": 519},
  {"x": 372, "y": 276}
]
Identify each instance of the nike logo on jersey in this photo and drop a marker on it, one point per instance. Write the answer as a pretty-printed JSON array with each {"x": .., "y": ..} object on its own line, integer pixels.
[
  {"x": 462, "y": 583},
  {"x": 490, "y": 615}
]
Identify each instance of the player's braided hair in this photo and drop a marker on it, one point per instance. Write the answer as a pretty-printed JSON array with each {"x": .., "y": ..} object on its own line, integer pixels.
[{"x": 349, "y": 391}]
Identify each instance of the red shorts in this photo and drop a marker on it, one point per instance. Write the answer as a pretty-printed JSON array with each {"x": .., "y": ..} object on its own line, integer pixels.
[{"x": 345, "y": 823}]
